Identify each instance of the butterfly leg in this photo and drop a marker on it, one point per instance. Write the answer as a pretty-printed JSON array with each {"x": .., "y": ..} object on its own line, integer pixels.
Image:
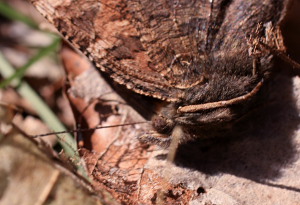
[{"x": 153, "y": 137}]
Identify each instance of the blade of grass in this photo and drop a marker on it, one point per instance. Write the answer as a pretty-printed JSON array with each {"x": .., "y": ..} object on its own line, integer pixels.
[
  {"x": 67, "y": 142},
  {"x": 21, "y": 71},
  {"x": 12, "y": 14}
]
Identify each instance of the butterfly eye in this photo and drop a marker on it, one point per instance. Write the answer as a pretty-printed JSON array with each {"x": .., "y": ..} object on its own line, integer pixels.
[{"x": 162, "y": 124}]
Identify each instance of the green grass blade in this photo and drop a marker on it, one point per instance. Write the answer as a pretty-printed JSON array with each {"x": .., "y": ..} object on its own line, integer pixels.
[
  {"x": 21, "y": 71},
  {"x": 67, "y": 142},
  {"x": 38, "y": 104},
  {"x": 12, "y": 14}
]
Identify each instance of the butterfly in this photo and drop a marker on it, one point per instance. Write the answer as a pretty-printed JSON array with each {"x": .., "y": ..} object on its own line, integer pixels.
[{"x": 207, "y": 59}]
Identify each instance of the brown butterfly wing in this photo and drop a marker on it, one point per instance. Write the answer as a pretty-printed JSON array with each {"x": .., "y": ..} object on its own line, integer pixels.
[
  {"x": 149, "y": 46},
  {"x": 159, "y": 48}
]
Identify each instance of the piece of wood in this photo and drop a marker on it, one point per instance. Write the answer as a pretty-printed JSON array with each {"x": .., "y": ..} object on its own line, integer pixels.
[{"x": 31, "y": 175}]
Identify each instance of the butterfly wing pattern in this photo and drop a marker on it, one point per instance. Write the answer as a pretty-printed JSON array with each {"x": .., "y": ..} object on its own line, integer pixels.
[{"x": 202, "y": 56}]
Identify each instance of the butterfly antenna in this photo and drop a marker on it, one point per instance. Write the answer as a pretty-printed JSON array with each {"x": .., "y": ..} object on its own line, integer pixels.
[{"x": 87, "y": 129}]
